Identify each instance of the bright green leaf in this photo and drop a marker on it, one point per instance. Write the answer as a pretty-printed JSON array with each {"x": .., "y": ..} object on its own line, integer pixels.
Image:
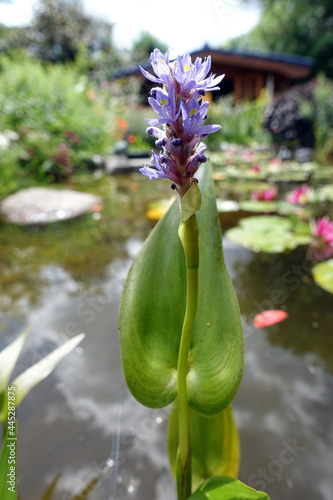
[
  {"x": 226, "y": 488},
  {"x": 39, "y": 371},
  {"x": 323, "y": 275},
  {"x": 152, "y": 312},
  {"x": 214, "y": 444}
]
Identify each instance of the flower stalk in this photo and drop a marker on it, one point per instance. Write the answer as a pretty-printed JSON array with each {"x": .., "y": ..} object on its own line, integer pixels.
[{"x": 189, "y": 236}]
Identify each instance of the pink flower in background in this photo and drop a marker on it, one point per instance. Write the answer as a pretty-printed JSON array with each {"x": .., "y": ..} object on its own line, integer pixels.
[
  {"x": 322, "y": 243},
  {"x": 256, "y": 167},
  {"x": 300, "y": 196},
  {"x": 232, "y": 149},
  {"x": 267, "y": 195},
  {"x": 247, "y": 155},
  {"x": 275, "y": 165}
]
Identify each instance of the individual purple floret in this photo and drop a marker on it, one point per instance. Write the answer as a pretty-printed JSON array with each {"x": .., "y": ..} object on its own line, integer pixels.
[
  {"x": 182, "y": 114},
  {"x": 160, "y": 171},
  {"x": 160, "y": 64},
  {"x": 194, "y": 116},
  {"x": 193, "y": 76},
  {"x": 165, "y": 106}
]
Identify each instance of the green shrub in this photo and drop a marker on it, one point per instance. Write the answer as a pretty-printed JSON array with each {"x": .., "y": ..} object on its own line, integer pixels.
[
  {"x": 241, "y": 123},
  {"x": 56, "y": 113},
  {"x": 10, "y": 171}
]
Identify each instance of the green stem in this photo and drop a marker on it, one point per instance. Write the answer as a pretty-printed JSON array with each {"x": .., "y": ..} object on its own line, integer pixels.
[{"x": 189, "y": 236}]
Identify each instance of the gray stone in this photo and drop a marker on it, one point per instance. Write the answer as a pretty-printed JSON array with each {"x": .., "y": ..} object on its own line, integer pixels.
[{"x": 44, "y": 205}]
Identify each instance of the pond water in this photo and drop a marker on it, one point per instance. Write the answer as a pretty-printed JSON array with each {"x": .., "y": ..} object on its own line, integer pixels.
[{"x": 82, "y": 421}]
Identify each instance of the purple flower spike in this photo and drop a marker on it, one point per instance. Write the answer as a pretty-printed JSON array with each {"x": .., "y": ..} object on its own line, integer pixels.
[{"x": 182, "y": 113}]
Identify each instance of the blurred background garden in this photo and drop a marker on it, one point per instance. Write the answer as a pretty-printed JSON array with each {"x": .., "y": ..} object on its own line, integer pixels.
[{"x": 73, "y": 105}]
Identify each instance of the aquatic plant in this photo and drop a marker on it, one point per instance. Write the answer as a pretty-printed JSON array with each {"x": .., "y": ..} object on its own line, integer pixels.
[
  {"x": 300, "y": 196},
  {"x": 265, "y": 195},
  {"x": 11, "y": 395},
  {"x": 180, "y": 328},
  {"x": 322, "y": 243}
]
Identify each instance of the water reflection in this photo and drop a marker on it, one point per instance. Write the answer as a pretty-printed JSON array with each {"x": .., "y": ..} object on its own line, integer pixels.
[
  {"x": 285, "y": 282},
  {"x": 285, "y": 401},
  {"x": 83, "y": 421}
]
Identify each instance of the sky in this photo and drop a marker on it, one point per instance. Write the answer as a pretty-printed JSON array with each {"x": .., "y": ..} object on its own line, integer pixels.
[{"x": 182, "y": 25}]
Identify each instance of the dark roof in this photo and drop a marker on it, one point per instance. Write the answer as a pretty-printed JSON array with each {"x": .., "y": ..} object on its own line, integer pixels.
[
  {"x": 270, "y": 56},
  {"x": 291, "y": 60}
]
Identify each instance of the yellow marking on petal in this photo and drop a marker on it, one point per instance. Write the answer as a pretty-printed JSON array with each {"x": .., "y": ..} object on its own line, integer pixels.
[
  {"x": 187, "y": 67},
  {"x": 193, "y": 111},
  {"x": 163, "y": 102}
]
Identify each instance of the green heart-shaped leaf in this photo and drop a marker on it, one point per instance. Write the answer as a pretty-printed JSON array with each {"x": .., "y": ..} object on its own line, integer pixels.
[
  {"x": 214, "y": 444},
  {"x": 226, "y": 488},
  {"x": 152, "y": 312}
]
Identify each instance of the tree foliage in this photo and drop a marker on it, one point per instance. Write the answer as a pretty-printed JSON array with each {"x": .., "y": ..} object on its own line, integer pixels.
[
  {"x": 11, "y": 38},
  {"x": 60, "y": 29},
  {"x": 144, "y": 44},
  {"x": 303, "y": 27}
]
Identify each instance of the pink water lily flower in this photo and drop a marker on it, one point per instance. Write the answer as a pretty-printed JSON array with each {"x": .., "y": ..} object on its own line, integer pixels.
[
  {"x": 256, "y": 167},
  {"x": 322, "y": 243},
  {"x": 266, "y": 195},
  {"x": 300, "y": 196}
]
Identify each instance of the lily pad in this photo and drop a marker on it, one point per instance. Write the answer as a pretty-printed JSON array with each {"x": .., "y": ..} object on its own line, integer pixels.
[
  {"x": 267, "y": 233},
  {"x": 265, "y": 222},
  {"x": 289, "y": 177},
  {"x": 286, "y": 208},
  {"x": 259, "y": 206},
  {"x": 323, "y": 275},
  {"x": 323, "y": 173},
  {"x": 325, "y": 193}
]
